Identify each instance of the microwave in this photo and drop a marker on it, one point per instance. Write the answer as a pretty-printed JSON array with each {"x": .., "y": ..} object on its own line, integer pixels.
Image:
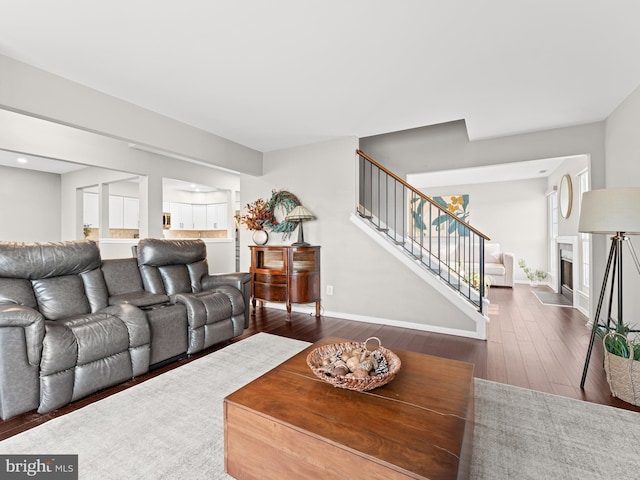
[{"x": 166, "y": 220}]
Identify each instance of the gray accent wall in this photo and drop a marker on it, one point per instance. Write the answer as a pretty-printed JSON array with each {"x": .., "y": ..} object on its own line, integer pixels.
[
  {"x": 446, "y": 146},
  {"x": 368, "y": 283}
]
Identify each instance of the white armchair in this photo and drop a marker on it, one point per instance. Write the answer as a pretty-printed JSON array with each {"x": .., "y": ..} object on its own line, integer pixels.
[{"x": 499, "y": 265}]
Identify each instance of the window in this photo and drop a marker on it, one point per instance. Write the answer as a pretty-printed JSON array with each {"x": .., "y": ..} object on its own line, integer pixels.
[
  {"x": 585, "y": 239},
  {"x": 552, "y": 205}
]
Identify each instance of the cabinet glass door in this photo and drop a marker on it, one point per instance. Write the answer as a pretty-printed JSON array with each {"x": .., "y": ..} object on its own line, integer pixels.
[
  {"x": 270, "y": 259},
  {"x": 304, "y": 260}
]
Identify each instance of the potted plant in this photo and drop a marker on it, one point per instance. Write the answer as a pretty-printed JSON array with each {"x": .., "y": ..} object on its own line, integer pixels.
[
  {"x": 534, "y": 276},
  {"x": 540, "y": 274},
  {"x": 257, "y": 214},
  {"x": 621, "y": 363}
]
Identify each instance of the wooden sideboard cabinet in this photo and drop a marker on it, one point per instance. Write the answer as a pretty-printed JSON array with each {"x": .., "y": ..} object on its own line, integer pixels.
[{"x": 285, "y": 274}]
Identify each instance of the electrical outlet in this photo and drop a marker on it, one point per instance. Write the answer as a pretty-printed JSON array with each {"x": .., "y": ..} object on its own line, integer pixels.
[{"x": 329, "y": 289}]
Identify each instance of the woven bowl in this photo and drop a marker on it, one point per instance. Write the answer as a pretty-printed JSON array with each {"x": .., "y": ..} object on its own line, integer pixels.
[{"x": 317, "y": 355}]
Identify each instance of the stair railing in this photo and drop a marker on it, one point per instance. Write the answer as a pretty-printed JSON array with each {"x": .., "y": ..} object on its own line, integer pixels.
[{"x": 426, "y": 230}]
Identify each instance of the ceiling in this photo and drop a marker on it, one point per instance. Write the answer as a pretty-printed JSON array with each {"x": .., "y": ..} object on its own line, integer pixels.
[
  {"x": 504, "y": 172},
  {"x": 41, "y": 164},
  {"x": 281, "y": 73}
]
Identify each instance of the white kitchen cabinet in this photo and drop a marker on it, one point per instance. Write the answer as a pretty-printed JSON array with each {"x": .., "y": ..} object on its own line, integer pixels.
[
  {"x": 116, "y": 213},
  {"x": 217, "y": 216},
  {"x": 199, "y": 217},
  {"x": 181, "y": 216},
  {"x": 124, "y": 212},
  {"x": 90, "y": 210},
  {"x": 130, "y": 213}
]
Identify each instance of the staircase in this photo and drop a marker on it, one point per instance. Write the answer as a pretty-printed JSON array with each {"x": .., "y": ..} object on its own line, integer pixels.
[{"x": 431, "y": 235}]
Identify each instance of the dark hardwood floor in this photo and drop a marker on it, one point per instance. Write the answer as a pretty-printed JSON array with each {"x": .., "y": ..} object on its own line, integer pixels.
[{"x": 530, "y": 345}]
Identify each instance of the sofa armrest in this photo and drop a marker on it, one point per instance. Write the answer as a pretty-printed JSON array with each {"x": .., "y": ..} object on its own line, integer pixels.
[
  {"x": 21, "y": 340},
  {"x": 31, "y": 321},
  {"x": 239, "y": 280},
  {"x": 139, "y": 299},
  {"x": 508, "y": 260}
]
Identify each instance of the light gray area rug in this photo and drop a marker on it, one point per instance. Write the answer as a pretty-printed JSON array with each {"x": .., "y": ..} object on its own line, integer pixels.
[{"x": 171, "y": 426}]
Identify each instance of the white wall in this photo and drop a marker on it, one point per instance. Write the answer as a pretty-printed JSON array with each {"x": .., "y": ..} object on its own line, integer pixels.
[
  {"x": 512, "y": 214},
  {"x": 623, "y": 170},
  {"x": 29, "y": 205},
  {"x": 369, "y": 284}
]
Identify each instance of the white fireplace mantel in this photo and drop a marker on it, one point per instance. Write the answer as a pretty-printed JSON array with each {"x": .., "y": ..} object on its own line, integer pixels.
[{"x": 573, "y": 241}]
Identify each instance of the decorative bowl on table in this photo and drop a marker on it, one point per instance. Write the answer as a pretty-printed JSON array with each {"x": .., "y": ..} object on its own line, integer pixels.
[{"x": 353, "y": 365}]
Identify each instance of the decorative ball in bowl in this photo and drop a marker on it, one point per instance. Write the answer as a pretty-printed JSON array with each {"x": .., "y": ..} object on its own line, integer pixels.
[{"x": 353, "y": 365}]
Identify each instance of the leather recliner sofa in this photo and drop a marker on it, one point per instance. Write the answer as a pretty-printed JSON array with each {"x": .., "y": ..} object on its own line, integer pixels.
[{"x": 71, "y": 324}]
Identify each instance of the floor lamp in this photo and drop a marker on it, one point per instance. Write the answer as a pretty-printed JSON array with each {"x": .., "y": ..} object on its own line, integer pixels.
[{"x": 610, "y": 211}]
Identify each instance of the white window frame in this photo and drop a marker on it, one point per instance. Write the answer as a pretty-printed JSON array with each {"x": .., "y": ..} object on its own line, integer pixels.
[
  {"x": 552, "y": 216},
  {"x": 584, "y": 238}
]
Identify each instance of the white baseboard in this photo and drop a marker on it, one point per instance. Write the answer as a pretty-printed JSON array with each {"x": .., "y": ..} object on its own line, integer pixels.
[{"x": 384, "y": 321}]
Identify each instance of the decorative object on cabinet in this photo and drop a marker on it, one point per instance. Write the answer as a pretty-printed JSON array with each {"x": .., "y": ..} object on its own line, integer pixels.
[
  {"x": 566, "y": 196},
  {"x": 610, "y": 211},
  {"x": 260, "y": 237},
  {"x": 281, "y": 204},
  {"x": 285, "y": 274},
  {"x": 258, "y": 213},
  {"x": 299, "y": 215}
]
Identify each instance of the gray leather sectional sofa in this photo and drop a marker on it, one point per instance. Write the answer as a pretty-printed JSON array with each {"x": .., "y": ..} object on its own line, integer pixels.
[{"x": 72, "y": 324}]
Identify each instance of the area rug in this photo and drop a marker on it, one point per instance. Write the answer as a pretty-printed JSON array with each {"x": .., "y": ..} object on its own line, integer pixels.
[
  {"x": 171, "y": 426},
  {"x": 552, "y": 298}
]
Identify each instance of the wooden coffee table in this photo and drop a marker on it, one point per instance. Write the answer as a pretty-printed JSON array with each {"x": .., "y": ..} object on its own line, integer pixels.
[{"x": 290, "y": 424}]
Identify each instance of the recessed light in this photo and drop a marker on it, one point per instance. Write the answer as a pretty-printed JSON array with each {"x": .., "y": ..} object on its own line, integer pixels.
[{"x": 22, "y": 160}]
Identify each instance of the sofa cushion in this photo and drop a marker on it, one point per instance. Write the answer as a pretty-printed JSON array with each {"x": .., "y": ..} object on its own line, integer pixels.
[
  {"x": 122, "y": 276},
  {"x": 42, "y": 260},
  {"x": 492, "y": 253},
  {"x": 61, "y": 297},
  {"x": 18, "y": 291},
  {"x": 98, "y": 336},
  {"x": 494, "y": 269},
  {"x": 175, "y": 279},
  {"x": 153, "y": 251}
]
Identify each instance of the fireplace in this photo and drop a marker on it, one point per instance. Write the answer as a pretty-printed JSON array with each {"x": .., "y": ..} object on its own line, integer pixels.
[{"x": 565, "y": 286}]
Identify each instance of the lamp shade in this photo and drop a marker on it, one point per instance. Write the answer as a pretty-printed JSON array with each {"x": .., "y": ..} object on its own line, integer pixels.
[
  {"x": 610, "y": 210},
  {"x": 299, "y": 214}
]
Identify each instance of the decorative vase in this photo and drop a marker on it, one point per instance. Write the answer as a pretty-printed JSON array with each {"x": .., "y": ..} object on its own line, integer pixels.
[
  {"x": 535, "y": 282},
  {"x": 260, "y": 237}
]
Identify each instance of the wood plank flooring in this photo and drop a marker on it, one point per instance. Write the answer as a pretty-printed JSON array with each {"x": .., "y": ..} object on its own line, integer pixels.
[{"x": 530, "y": 345}]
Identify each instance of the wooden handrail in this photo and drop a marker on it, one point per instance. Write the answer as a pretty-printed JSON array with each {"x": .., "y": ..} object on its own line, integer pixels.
[{"x": 422, "y": 195}]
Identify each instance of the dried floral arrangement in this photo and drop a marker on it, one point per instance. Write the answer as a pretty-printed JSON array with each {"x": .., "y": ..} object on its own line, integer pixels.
[
  {"x": 260, "y": 215},
  {"x": 257, "y": 213}
]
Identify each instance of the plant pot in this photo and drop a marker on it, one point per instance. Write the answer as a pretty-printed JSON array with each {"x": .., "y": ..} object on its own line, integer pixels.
[
  {"x": 534, "y": 283},
  {"x": 260, "y": 237},
  {"x": 623, "y": 374}
]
